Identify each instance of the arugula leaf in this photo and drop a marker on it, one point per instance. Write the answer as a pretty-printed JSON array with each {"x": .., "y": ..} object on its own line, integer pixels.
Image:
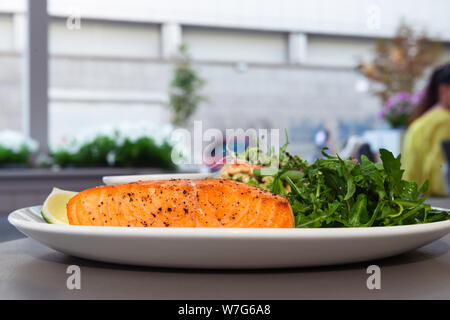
[
  {"x": 392, "y": 167},
  {"x": 373, "y": 175},
  {"x": 359, "y": 211}
]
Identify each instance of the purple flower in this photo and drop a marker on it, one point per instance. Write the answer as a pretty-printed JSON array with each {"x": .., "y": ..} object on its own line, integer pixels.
[
  {"x": 416, "y": 97},
  {"x": 403, "y": 96},
  {"x": 400, "y": 97},
  {"x": 398, "y": 106}
]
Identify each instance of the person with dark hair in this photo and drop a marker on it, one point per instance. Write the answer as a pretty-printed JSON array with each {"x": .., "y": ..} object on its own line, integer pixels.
[{"x": 423, "y": 157}]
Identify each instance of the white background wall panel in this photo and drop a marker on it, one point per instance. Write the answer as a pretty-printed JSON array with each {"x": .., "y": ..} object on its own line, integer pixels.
[
  {"x": 236, "y": 45},
  {"x": 104, "y": 38},
  {"x": 6, "y": 33}
]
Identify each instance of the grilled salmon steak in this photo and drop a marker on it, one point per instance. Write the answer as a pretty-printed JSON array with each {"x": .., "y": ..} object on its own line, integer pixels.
[{"x": 180, "y": 203}]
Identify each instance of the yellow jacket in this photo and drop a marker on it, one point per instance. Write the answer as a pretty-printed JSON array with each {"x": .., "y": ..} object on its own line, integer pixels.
[{"x": 423, "y": 156}]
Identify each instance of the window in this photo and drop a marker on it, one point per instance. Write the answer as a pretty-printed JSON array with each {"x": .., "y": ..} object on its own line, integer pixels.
[
  {"x": 11, "y": 24},
  {"x": 6, "y": 32},
  {"x": 104, "y": 38},
  {"x": 236, "y": 45},
  {"x": 338, "y": 51}
]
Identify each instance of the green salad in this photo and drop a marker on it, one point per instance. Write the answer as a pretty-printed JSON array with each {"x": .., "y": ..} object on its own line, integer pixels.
[{"x": 335, "y": 192}]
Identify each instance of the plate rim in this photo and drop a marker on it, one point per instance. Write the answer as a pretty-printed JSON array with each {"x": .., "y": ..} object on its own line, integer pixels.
[{"x": 223, "y": 233}]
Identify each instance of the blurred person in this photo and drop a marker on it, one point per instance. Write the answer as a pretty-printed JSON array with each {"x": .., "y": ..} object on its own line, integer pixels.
[
  {"x": 423, "y": 156},
  {"x": 446, "y": 147},
  {"x": 356, "y": 147},
  {"x": 322, "y": 140}
]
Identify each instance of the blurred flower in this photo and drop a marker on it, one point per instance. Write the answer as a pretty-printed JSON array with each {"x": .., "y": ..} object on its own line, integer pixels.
[
  {"x": 398, "y": 108},
  {"x": 15, "y": 148},
  {"x": 121, "y": 132},
  {"x": 396, "y": 55},
  {"x": 15, "y": 141},
  {"x": 417, "y": 97},
  {"x": 125, "y": 145},
  {"x": 370, "y": 70}
]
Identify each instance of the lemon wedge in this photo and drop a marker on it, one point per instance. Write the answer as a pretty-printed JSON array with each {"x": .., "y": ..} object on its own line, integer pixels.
[{"x": 54, "y": 209}]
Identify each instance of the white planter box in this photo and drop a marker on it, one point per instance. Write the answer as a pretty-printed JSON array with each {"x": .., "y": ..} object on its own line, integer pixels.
[{"x": 390, "y": 139}]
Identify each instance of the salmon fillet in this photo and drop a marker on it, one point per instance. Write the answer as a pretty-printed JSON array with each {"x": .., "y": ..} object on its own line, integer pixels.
[{"x": 180, "y": 203}]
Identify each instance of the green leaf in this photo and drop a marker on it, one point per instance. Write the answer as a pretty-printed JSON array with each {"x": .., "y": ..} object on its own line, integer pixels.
[
  {"x": 373, "y": 175},
  {"x": 351, "y": 187},
  {"x": 392, "y": 166},
  {"x": 358, "y": 211}
]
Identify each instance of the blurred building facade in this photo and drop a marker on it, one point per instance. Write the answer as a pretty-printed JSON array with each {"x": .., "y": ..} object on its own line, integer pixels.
[{"x": 269, "y": 64}]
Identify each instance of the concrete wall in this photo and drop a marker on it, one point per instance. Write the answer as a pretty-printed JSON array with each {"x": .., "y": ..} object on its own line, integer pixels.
[
  {"x": 298, "y": 98},
  {"x": 302, "y": 99}
]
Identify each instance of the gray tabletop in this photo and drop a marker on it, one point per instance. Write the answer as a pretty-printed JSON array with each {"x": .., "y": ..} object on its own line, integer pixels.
[{"x": 29, "y": 270}]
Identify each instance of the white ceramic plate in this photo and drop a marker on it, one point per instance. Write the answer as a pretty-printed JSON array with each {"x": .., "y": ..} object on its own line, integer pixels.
[
  {"x": 226, "y": 248},
  {"x": 150, "y": 177}
]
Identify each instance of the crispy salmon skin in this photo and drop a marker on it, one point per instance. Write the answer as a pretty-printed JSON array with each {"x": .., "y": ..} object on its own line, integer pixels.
[{"x": 180, "y": 203}]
